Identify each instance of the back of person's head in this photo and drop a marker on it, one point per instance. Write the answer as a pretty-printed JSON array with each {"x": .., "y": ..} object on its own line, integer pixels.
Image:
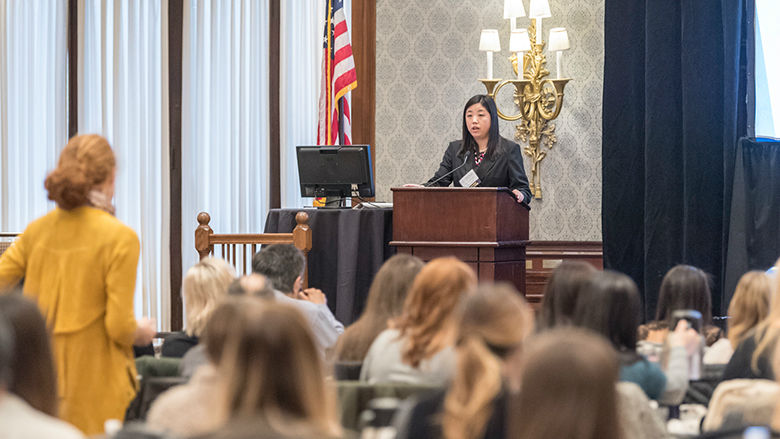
[
  {"x": 204, "y": 284},
  {"x": 254, "y": 284},
  {"x": 610, "y": 306},
  {"x": 492, "y": 324},
  {"x": 749, "y": 304},
  {"x": 561, "y": 293},
  {"x": 429, "y": 308},
  {"x": 684, "y": 287},
  {"x": 273, "y": 371},
  {"x": 385, "y": 301},
  {"x": 221, "y": 322},
  {"x": 568, "y": 388},
  {"x": 282, "y": 264},
  {"x": 32, "y": 367},
  {"x": 86, "y": 162}
]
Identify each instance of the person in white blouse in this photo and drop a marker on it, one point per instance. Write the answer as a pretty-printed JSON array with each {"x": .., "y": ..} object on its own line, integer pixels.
[{"x": 18, "y": 418}]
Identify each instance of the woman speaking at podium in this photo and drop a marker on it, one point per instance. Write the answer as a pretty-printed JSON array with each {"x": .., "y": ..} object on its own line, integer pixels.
[{"x": 483, "y": 158}]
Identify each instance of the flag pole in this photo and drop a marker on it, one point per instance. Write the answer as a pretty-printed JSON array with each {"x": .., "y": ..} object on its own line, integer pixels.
[{"x": 341, "y": 121}]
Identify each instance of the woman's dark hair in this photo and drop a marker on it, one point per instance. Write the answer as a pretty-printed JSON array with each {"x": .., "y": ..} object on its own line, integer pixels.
[
  {"x": 469, "y": 144},
  {"x": 561, "y": 292},
  {"x": 610, "y": 307},
  {"x": 568, "y": 388},
  {"x": 684, "y": 287},
  {"x": 32, "y": 367}
]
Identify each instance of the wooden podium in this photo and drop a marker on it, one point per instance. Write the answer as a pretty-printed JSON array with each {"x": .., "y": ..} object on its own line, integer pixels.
[{"x": 484, "y": 227}]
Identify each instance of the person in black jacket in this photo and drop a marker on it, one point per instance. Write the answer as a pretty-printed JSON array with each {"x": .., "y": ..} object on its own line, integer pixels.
[
  {"x": 753, "y": 357},
  {"x": 496, "y": 161}
]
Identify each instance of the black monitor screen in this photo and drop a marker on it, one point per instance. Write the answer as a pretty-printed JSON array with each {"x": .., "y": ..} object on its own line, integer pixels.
[{"x": 333, "y": 170}]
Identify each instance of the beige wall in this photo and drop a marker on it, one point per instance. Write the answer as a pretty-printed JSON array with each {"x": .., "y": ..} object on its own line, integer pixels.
[{"x": 427, "y": 67}]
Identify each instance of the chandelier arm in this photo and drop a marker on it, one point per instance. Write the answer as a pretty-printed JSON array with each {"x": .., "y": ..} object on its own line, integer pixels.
[{"x": 511, "y": 118}]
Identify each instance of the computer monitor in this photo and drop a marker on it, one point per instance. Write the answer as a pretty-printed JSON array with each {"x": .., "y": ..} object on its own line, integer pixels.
[{"x": 335, "y": 171}]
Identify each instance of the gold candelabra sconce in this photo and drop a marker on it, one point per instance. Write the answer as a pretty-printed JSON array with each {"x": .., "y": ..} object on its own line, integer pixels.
[{"x": 538, "y": 98}]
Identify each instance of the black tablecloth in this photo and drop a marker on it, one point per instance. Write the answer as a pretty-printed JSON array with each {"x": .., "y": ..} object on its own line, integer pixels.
[{"x": 348, "y": 247}]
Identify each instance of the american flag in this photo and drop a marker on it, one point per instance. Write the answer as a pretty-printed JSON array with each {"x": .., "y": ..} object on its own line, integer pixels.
[{"x": 338, "y": 76}]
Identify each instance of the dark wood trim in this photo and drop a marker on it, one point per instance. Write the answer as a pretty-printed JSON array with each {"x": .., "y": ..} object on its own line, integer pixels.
[
  {"x": 274, "y": 127},
  {"x": 175, "y": 45},
  {"x": 363, "y": 109},
  {"x": 542, "y": 257},
  {"x": 73, "y": 56}
]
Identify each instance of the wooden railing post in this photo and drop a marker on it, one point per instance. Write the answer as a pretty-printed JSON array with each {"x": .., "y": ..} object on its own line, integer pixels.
[
  {"x": 202, "y": 234},
  {"x": 302, "y": 240}
]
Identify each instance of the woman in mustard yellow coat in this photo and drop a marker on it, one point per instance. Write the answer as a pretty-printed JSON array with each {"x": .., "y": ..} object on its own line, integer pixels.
[{"x": 79, "y": 264}]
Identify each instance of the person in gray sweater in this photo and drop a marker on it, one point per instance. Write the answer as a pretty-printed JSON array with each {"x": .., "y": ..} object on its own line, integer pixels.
[{"x": 418, "y": 347}]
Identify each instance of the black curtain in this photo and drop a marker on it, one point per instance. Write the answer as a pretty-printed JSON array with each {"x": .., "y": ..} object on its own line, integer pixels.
[
  {"x": 673, "y": 110},
  {"x": 754, "y": 228}
]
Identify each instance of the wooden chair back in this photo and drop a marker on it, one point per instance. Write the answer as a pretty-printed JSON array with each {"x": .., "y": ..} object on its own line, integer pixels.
[
  {"x": 6, "y": 239},
  {"x": 238, "y": 248}
]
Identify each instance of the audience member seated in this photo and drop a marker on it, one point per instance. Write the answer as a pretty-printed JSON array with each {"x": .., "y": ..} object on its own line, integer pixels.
[
  {"x": 28, "y": 384},
  {"x": 283, "y": 265},
  {"x": 253, "y": 285},
  {"x": 272, "y": 378},
  {"x": 385, "y": 303},
  {"x": 188, "y": 410},
  {"x": 561, "y": 292},
  {"x": 639, "y": 418},
  {"x": 749, "y": 306},
  {"x": 610, "y": 306},
  {"x": 418, "y": 348},
  {"x": 204, "y": 284},
  {"x": 752, "y": 358},
  {"x": 683, "y": 287},
  {"x": 492, "y": 324},
  {"x": 567, "y": 388},
  {"x": 739, "y": 403}
]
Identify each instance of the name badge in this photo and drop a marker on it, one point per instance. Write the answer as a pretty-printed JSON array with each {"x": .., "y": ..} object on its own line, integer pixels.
[{"x": 470, "y": 179}]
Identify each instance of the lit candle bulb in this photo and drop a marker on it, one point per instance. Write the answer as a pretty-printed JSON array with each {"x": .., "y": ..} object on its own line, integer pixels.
[
  {"x": 489, "y": 43},
  {"x": 559, "y": 41},
  {"x": 519, "y": 44},
  {"x": 539, "y": 9}
]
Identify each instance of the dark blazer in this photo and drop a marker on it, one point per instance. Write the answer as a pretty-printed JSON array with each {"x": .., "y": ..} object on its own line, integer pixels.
[
  {"x": 740, "y": 364},
  {"x": 503, "y": 169},
  {"x": 177, "y": 344}
]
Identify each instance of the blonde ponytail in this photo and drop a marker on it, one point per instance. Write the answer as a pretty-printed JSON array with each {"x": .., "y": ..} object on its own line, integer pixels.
[
  {"x": 492, "y": 324},
  {"x": 477, "y": 382}
]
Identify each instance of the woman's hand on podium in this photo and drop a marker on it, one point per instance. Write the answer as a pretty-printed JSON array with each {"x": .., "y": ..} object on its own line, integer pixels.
[
  {"x": 518, "y": 195},
  {"x": 413, "y": 185}
]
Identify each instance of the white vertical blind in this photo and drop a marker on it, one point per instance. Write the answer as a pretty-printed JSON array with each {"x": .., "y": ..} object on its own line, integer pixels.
[
  {"x": 33, "y": 105},
  {"x": 767, "y": 72},
  {"x": 123, "y": 96},
  {"x": 300, "y": 56},
  {"x": 225, "y": 142}
]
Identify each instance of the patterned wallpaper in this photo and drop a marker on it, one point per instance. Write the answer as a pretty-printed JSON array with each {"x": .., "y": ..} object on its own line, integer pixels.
[{"x": 427, "y": 67}]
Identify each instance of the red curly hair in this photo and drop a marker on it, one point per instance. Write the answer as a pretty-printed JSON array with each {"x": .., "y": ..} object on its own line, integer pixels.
[
  {"x": 429, "y": 307},
  {"x": 85, "y": 162}
]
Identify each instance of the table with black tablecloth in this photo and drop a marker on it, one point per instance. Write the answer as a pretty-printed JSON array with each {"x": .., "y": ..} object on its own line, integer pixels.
[{"x": 348, "y": 247}]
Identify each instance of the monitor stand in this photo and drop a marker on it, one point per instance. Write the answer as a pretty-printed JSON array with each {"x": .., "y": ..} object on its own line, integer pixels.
[{"x": 335, "y": 203}]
